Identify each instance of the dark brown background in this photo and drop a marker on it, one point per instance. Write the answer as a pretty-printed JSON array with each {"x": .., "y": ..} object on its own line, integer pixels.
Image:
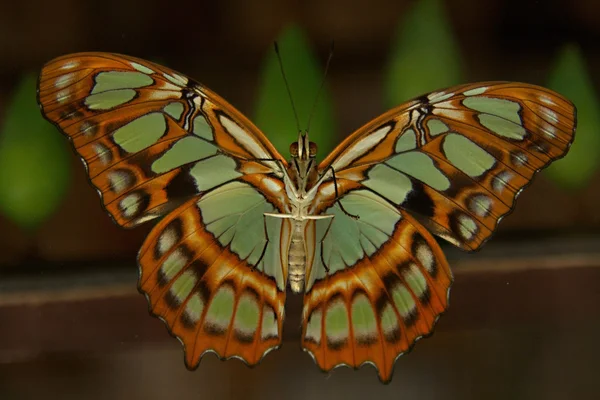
[{"x": 524, "y": 316}]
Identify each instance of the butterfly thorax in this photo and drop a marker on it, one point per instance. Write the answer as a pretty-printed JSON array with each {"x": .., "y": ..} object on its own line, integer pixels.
[
  {"x": 302, "y": 168},
  {"x": 303, "y": 176}
]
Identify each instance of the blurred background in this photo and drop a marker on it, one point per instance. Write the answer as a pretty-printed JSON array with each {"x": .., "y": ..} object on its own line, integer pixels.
[{"x": 524, "y": 316}]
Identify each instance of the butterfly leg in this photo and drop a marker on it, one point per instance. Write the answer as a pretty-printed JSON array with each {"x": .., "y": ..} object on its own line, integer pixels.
[
  {"x": 337, "y": 195},
  {"x": 266, "y": 229},
  {"x": 331, "y": 218},
  {"x": 277, "y": 215}
]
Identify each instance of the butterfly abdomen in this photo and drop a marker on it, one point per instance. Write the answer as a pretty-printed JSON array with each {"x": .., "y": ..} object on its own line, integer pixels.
[{"x": 297, "y": 258}]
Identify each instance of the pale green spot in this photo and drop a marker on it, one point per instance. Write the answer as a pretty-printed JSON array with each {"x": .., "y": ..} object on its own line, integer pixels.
[
  {"x": 269, "y": 324},
  {"x": 313, "y": 328},
  {"x": 63, "y": 96},
  {"x": 194, "y": 308},
  {"x": 202, "y": 128},
  {"x": 317, "y": 271},
  {"x": 467, "y": 156},
  {"x": 174, "y": 109},
  {"x": 231, "y": 200},
  {"x": 336, "y": 322},
  {"x": 141, "y": 68},
  {"x": 403, "y": 300},
  {"x": 334, "y": 260},
  {"x": 476, "y": 91},
  {"x": 176, "y": 79},
  {"x": 220, "y": 310},
  {"x": 183, "y": 286},
  {"x": 426, "y": 257},
  {"x": 467, "y": 227},
  {"x": 416, "y": 280},
  {"x": 129, "y": 205},
  {"x": 213, "y": 172},
  {"x": 368, "y": 247},
  {"x": 167, "y": 240},
  {"x": 363, "y": 318},
  {"x": 389, "y": 322},
  {"x": 249, "y": 240},
  {"x": 113, "y": 80},
  {"x": 234, "y": 213},
  {"x": 173, "y": 264},
  {"x": 186, "y": 150},
  {"x": 389, "y": 183},
  {"x": 470, "y": 223},
  {"x": 377, "y": 212},
  {"x": 64, "y": 80},
  {"x": 502, "y": 127},
  {"x": 341, "y": 247},
  {"x": 519, "y": 159},
  {"x": 141, "y": 133},
  {"x": 499, "y": 107},
  {"x": 374, "y": 235},
  {"x": 225, "y": 226},
  {"x": 247, "y": 315},
  {"x": 102, "y": 153},
  {"x": 480, "y": 205},
  {"x": 270, "y": 263},
  {"x": 499, "y": 115},
  {"x": 88, "y": 129},
  {"x": 342, "y": 244},
  {"x": 501, "y": 181},
  {"x": 253, "y": 255},
  {"x": 406, "y": 141},
  {"x": 420, "y": 166},
  {"x": 439, "y": 97},
  {"x": 120, "y": 180},
  {"x": 108, "y": 100},
  {"x": 436, "y": 127}
]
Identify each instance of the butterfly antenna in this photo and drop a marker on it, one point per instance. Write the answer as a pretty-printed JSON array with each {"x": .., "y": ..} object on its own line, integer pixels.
[
  {"x": 314, "y": 108},
  {"x": 287, "y": 85}
]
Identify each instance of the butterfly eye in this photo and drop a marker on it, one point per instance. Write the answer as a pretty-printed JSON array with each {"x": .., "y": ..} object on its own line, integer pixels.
[
  {"x": 294, "y": 149},
  {"x": 312, "y": 149}
]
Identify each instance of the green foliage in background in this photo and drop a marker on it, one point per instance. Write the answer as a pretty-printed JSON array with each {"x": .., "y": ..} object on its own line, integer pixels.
[
  {"x": 570, "y": 78},
  {"x": 274, "y": 114},
  {"x": 34, "y": 160},
  {"x": 424, "y": 55}
]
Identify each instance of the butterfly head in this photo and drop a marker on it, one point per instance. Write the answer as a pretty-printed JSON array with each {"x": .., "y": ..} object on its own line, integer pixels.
[
  {"x": 303, "y": 154},
  {"x": 303, "y": 149}
]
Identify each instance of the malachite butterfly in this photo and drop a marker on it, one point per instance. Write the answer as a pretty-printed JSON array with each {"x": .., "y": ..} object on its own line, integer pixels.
[{"x": 238, "y": 224}]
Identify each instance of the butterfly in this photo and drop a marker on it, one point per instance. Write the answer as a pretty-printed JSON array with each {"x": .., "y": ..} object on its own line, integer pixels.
[{"x": 238, "y": 223}]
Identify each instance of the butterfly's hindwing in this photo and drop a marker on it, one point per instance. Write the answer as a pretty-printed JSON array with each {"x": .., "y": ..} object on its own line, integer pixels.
[
  {"x": 380, "y": 284},
  {"x": 204, "y": 274}
]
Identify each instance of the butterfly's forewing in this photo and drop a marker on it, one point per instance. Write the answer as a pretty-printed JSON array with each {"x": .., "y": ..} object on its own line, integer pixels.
[
  {"x": 157, "y": 144},
  {"x": 457, "y": 159},
  {"x": 142, "y": 130},
  {"x": 450, "y": 163},
  {"x": 375, "y": 285}
]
